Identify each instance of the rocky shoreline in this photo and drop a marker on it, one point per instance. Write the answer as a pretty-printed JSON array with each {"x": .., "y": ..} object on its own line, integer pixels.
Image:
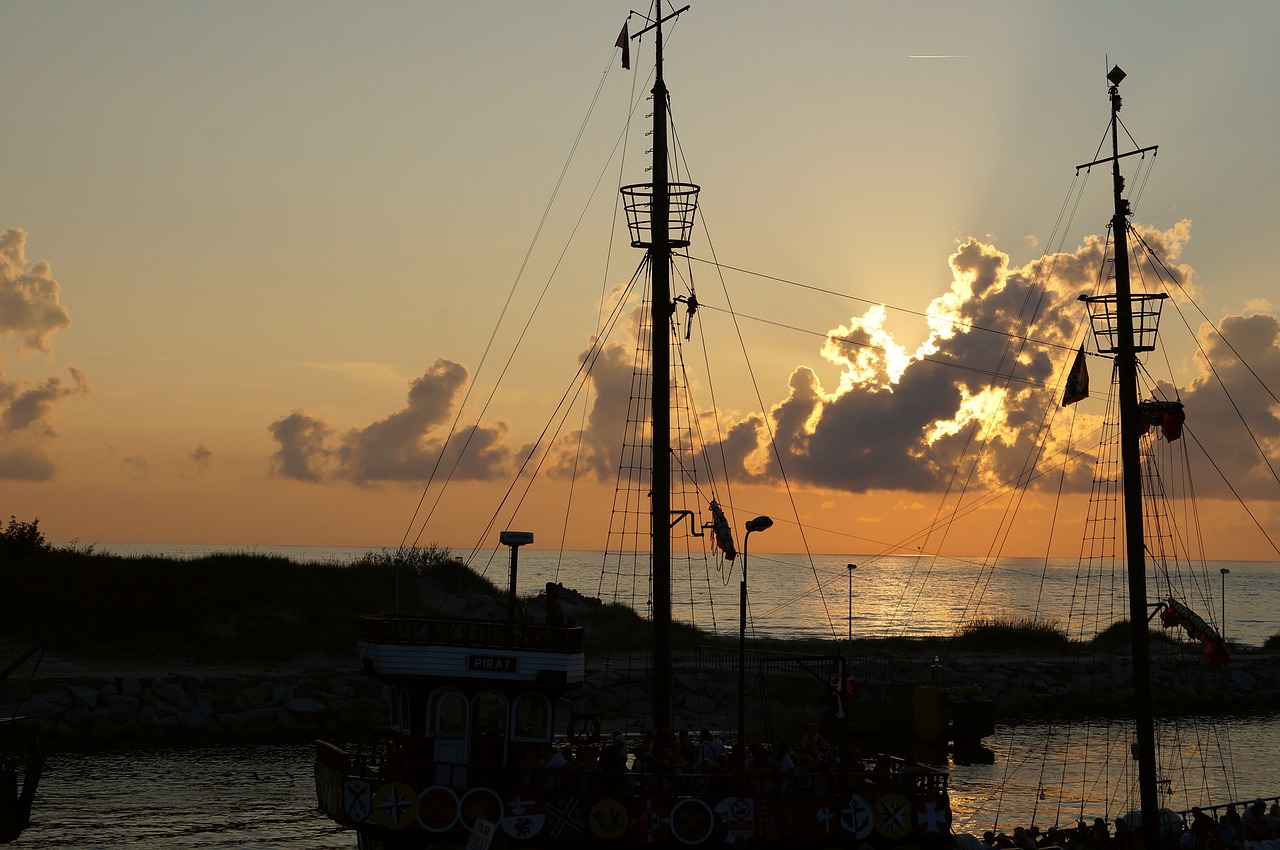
[{"x": 94, "y": 710}]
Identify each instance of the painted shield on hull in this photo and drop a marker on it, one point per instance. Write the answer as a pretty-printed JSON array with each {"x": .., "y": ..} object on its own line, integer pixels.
[
  {"x": 608, "y": 819},
  {"x": 933, "y": 817},
  {"x": 395, "y": 806},
  {"x": 894, "y": 815},
  {"x": 650, "y": 820},
  {"x": 693, "y": 822},
  {"x": 857, "y": 819},
  {"x": 565, "y": 820},
  {"x": 438, "y": 808},
  {"x": 815, "y": 819},
  {"x": 524, "y": 818},
  {"x": 739, "y": 817},
  {"x": 357, "y": 800},
  {"x": 480, "y": 804}
]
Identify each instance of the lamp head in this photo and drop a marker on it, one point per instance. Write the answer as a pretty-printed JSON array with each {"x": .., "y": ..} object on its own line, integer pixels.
[{"x": 760, "y": 523}]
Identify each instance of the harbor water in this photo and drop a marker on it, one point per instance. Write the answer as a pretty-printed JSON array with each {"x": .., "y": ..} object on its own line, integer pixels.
[{"x": 220, "y": 798}]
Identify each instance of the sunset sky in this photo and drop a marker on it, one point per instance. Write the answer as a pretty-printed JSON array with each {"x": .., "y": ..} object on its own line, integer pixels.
[{"x": 236, "y": 234}]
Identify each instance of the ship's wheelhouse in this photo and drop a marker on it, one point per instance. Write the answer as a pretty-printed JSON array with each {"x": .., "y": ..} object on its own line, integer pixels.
[{"x": 471, "y": 696}]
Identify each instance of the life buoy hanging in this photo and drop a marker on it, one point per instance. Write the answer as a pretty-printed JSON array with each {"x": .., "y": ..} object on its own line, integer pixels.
[{"x": 583, "y": 729}]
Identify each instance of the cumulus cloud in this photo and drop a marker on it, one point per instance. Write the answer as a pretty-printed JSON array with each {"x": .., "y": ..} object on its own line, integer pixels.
[
  {"x": 31, "y": 312},
  {"x": 26, "y": 424},
  {"x": 302, "y": 452},
  {"x": 29, "y": 296},
  {"x": 20, "y": 460},
  {"x": 895, "y": 416},
  {"x": 403, "y": 446},
  {"x": 30, "y": 406},
  {"x": 593, "y": 450},
  {"x": 1229, "y": 411}
]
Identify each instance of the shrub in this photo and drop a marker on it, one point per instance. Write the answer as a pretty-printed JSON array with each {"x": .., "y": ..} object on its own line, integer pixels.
[
  {"x": 1117, "y": 635},
  {"x": 1002, "y": 633},
  {"x": 22, "y": 538},
  {"x": 1272, "y": 642},
  {"x": 415, "y": 560}
]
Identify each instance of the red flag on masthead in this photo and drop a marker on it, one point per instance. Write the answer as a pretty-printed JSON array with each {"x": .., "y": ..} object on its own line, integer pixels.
[{"x": 625, "y": 43}]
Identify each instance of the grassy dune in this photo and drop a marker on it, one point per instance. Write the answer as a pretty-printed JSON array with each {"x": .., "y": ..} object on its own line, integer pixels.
[
  {"x": 264, "y": 608},
  {"x": 252, "y": 607},
  {"x": 217, "y": 608}
]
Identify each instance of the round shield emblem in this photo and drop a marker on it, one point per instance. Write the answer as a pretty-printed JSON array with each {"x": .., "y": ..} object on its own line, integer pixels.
[
  {"x": 608, "y": 819},
  {"x": 650, "y": 820},
  {"x": 894, "y": 815},
  {"x": 438, "y": 808},
  {"x": 480, "y": 804},
  {"x": 395, "y": 806},
  {"x": 692, "y": 821}
]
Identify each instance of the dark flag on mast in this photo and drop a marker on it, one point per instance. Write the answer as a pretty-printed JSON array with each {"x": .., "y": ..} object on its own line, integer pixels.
[
  {"x": 624, "y": 43},
  {"x": 1077, "y": 380}
]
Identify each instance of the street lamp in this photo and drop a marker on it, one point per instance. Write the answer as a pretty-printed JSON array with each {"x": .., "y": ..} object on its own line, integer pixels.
[
  {"x": 760, "y": 523},
  {"x": 851, "y": 568},
  {"x": 1224, "y": 572}
]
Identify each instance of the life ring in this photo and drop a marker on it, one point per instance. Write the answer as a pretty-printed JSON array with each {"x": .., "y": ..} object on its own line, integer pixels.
[{"x": 583, "y": 729}]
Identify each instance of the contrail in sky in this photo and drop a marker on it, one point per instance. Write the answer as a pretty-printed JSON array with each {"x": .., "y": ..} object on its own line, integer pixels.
[{"x": 938, "y": 56}]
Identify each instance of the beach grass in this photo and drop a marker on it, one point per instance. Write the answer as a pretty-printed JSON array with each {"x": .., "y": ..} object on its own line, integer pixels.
[
  {"x": 215, "y": 608},
  {"x": 989, "y": 633},
  {"x": 1117, "y": 635}
]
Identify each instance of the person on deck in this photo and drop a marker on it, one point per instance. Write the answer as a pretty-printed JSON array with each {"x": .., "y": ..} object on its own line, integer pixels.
[
  {"x": 706, "y": 762},
  {"x": 613, "y": 759},
  {"x": 814, "y": 745},
  {"x": 1099, "y": 834}
]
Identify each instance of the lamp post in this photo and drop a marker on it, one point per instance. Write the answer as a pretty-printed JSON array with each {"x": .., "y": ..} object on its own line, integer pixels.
[
  {"x": 1224, "y": 572},
  {"x": 760, "y": 523},
  {"x": 851, "y": 568}
]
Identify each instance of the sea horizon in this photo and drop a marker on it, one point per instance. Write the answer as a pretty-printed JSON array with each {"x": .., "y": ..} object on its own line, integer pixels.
[{"x": 797, "y": 596}]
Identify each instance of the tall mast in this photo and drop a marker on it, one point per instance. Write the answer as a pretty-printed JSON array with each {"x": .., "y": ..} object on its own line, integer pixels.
[
  {"x": 1125, "y": 346},
  {"x": 660, "y": 404},
  {"x": 651, "y": 219}
]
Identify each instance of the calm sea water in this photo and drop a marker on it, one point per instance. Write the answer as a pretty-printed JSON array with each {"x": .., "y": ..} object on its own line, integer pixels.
[
  {"x": 220, "y": 798},
  {"x": 794, "y": 596},
  {"x": 216, "y": 797}
]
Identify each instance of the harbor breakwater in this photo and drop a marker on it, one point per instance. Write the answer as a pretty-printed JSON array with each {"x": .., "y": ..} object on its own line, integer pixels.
[{"x": 99, "y": 710}]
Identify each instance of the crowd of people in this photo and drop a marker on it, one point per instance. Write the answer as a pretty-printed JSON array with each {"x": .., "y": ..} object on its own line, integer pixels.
[
  {"x": 684, "y": 762},
  {"x": 1231, "y": 830}
]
